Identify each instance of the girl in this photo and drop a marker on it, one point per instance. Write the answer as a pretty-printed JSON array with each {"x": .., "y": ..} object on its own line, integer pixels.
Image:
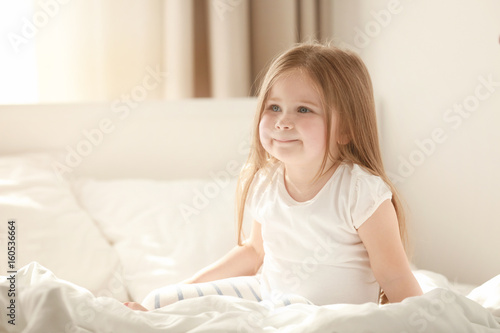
[{"x": 328, "y": 224}]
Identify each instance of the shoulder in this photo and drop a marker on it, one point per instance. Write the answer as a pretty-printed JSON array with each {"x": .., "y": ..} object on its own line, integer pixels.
[
  {"x": 366, "y": 192},
  {"x": 267, "y": 174},
  {"x": 360, "y": 177},
  {"x": 262, "y": 180}
]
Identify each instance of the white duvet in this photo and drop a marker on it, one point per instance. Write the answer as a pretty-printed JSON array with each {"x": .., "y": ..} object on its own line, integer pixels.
[{"x": 44, "y": 303}]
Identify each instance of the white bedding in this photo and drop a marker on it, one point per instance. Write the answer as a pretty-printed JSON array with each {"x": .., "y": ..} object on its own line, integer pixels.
[
  {"x": 114, "y": 241},
  {"x": 48, "y": 304}
]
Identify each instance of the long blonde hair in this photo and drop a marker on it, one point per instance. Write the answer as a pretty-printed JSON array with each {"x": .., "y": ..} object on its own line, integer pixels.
[{"x": 345, "y": 87}]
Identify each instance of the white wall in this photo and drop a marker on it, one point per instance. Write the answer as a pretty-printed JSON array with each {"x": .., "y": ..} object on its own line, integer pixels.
[{"x": 425, "y": 58}]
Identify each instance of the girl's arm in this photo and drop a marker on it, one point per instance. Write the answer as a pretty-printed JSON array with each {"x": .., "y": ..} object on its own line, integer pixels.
[
  {"x": 380, "y": 235},
  {"x": 240, "y": 261}
]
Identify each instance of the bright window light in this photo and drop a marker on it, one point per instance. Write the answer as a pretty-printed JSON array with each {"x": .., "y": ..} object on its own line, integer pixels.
[{"x": 18, "y": 67}]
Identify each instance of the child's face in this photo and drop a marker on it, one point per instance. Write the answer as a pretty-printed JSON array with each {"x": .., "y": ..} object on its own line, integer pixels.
[{"x": 293, "y": 125}]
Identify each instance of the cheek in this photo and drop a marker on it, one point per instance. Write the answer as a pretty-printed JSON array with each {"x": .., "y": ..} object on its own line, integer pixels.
[
  {"x": 264, "y": 127},
  {"x": 263, "y": 135},
  {"x": 317, "y": 133}
]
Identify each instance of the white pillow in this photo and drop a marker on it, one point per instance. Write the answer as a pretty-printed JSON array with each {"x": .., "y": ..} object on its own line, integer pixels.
[
  {"x": 429, "y": 280},
  {"x": 51, "y": 228},
  {"x": 488, "y": 295},
  {"x": 164, "y": 231}
]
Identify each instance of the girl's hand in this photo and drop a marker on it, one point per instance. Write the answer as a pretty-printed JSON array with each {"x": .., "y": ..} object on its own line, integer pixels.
[{"x": 135, "y": 306}]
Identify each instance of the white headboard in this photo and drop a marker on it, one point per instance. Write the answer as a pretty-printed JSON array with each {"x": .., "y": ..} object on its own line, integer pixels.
[
  {"x": 157, "y": 140},
  {"x": 454, "y": 227}
]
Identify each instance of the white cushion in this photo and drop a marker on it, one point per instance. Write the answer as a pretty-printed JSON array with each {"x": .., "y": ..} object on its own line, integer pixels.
[
  {"x": 164, "y": 231},
  {"x": 488, "y": 295},
  {"x": 51, "y": 227}
]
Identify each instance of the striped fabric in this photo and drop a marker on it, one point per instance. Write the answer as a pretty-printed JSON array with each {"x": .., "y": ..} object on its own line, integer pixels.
[{"x": 247, "y": 287}]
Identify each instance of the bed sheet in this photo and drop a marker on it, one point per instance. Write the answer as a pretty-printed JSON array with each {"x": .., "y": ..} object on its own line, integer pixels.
[{"x": 48, "y": 304}]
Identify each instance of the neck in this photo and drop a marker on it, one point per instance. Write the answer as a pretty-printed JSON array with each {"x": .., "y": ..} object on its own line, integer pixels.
[{"x": 302, "y": 182}]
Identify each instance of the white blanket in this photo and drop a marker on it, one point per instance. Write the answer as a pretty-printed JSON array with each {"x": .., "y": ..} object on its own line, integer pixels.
[{"x": 44, "y": 303}]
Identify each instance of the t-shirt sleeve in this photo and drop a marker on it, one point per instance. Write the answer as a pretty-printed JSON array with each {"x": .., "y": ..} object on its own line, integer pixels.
[{"x": 368, "y": 193}]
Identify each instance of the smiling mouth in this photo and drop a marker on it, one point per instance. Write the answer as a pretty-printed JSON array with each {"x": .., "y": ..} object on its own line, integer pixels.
[{"x": 285, "y": 141}]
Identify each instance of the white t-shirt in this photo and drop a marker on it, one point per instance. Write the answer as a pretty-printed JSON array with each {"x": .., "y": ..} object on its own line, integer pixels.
[{"x": 312, "y": 248}]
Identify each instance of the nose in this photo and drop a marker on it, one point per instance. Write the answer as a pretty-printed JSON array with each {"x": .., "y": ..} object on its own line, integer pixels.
[{"x": 284, "y": 123}]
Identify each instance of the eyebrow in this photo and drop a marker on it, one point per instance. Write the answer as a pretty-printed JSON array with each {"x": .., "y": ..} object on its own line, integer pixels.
[{"x": 300, "y": 102}]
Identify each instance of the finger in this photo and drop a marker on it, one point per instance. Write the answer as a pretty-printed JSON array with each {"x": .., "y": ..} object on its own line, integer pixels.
[{"x": 135, "y": 306}]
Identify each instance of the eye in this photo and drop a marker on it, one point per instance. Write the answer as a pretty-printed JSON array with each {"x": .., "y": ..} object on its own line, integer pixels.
[
  {"x": 275, "y": 108},
  {"x": 304, "y": 110}
]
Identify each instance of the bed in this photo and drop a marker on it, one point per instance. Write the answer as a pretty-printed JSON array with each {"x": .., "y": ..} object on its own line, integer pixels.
[{"x": 106, "y": 204}]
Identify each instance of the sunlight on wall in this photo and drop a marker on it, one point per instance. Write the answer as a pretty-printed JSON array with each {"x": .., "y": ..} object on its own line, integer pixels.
[{"x": 18, "y": 78}]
